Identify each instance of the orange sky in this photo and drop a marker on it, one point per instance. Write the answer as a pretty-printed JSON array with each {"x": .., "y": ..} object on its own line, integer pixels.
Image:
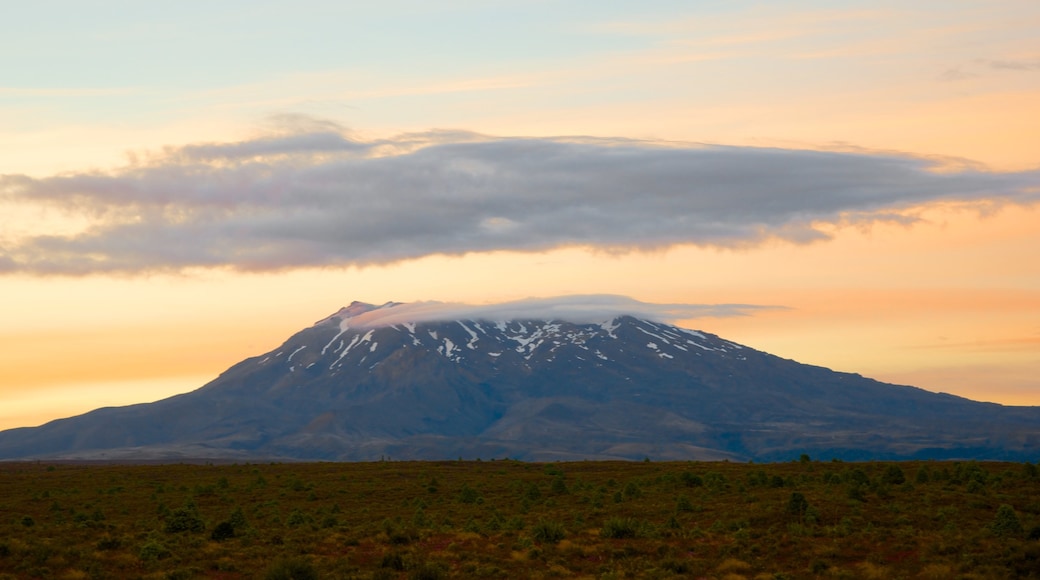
[{"x": 950, "y": 302}]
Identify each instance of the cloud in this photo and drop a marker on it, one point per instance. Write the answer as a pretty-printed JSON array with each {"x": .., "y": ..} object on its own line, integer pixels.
[
  {"x": 313, "y": 195},
  {"x": 592, "y": 308},
  {"x": 1022, "y": 65}
]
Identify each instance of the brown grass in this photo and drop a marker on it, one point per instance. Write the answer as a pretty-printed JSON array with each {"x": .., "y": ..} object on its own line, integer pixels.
[{"x": 481, "y": 519}]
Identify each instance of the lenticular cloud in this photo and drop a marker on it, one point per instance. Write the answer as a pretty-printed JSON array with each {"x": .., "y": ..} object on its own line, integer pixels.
[
  {"x": 580, "y": 309},
  {"x": 317, "y": 196}
]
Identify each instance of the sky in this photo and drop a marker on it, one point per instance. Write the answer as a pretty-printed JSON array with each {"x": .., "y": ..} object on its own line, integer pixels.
[{"x": 184, "y": 185}]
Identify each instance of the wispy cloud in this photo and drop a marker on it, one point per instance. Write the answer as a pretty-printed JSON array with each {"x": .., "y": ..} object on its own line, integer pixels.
[
  {"x": 1020, "y": 65},
  {"x": 315, "y": 195}
]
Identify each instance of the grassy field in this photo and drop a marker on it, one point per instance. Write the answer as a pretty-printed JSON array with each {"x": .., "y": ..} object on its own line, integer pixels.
[{"x": 506, "y": 519}]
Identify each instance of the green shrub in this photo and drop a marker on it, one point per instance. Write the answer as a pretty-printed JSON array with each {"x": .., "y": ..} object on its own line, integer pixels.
[
  {"x": 185, "y": 519},
  {"x": 153, "y": 550},
  {"x": 923, "y": 475},
  {"x": 392, "y": 561},
  {"x": 223, "y": 531},
  {"x": 468, "y": 495},
  {"x": 108, "y": 543},
  {"x": 1029, "y": 471},
  {"x": 632, "y": 491},
  {"x": 619, "y": 528},
  {"x": 683, "y": 504},
  {"x": 797, "y": 504},
  {"x": 533, "y": 493},
  {"x": 547, "y": 532},
  {"x": 893, "y": 475},
  {"x": 297, "y": 518},
  {"x": 1006, "y": 523},
  {"x": 691, "y": 480}
]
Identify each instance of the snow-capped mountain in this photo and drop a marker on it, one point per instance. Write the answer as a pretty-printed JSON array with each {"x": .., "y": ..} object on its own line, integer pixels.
[{"x": 398, "y": 381}]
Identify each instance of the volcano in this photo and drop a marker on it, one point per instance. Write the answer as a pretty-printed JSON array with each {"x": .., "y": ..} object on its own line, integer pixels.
[{"x": 396, "y": 382}]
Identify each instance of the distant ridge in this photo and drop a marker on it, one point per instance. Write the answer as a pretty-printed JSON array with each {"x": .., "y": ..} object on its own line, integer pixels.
[{"x": 367, "y": 383}]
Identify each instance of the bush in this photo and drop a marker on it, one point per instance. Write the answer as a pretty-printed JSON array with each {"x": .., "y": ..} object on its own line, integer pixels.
[
  {"x": 619, "y": 528},
  {"x": 533, "y": 493},
  {"x": 298, "y": 518},
  {"x": 185, "y": 519},
  {"x": 1006, "y": 523},
  {"x": 153, "y": 550},
  {"x": 893, "y": 475},
  {"x": 691, "y": 480},
  {"x": 683, "y": 504},
  {"x": 547, "y": 532},
  {"x": 295, "y": 569},
  {"x": 223, "y": 531},
  {"x": 108, "y": 543},
  {"x": 797, "y": 504},
  {"x": 392, "y": 561},
  {"x": 632, "y": 491},
  {"x": 468, "y": 495}
]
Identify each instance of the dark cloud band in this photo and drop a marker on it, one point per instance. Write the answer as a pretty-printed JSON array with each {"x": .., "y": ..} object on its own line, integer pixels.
[{"x": 316, "y": 196}]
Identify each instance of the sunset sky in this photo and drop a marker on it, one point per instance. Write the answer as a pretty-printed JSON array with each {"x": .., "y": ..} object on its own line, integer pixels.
[{"x": 185, "y": 184}]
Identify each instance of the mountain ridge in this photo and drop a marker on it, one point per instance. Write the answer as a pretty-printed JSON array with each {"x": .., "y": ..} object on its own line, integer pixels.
[{"x": 351, "y": 388}]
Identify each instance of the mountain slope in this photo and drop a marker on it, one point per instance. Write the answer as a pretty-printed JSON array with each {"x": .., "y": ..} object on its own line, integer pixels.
[{"x": 350, "y": 389}]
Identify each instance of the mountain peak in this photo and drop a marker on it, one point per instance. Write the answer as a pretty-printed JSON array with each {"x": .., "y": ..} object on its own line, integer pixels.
[
  {"x": 356, "y": 308},
  {"x": 541, "y": 379}
]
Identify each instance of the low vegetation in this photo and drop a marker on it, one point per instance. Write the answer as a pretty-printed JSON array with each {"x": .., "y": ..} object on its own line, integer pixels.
[{"x": 507, "y": 519}]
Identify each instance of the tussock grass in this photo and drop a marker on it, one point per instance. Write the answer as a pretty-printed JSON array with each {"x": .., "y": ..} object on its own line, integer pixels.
[{"x": 506, "y": 519}]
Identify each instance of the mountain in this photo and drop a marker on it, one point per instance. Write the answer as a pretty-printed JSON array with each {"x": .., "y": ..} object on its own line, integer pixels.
[{"x": 370, "y": 382}]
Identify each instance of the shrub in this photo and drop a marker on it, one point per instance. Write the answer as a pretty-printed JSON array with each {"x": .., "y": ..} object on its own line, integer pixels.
[
  {"x": 675, "y": 566},
  {"x": 1029, "y": 471},
  {"x": 153, "y": 550},
  {"x": 468, "y": 495},
  {"x": 1006, "y": 523},
  {"x": 185, "y": 519},
  {"x": 533, "y": 493},
  {"x": 108, "y": 543},
  {"x": 797, "y": 504},
  {"x": 223, "y": 531},
  {"x": 238, "y": 520},
  {"x": 297, "y": 518},
  {"x": 632, "y": 491},
  {"x": 923, "y": 475},
  {"x": 295, "y": 569},
  {"x": 392, "y": 561},
  {"x": 683, "y": 504},
  {"x": 619, "y": 528},
  {"x": 691, "y": 480},
  {"x": 715, "y": 481},
  {"x": 547, "y": 532},
  {"x": 893, "y": 475}
]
